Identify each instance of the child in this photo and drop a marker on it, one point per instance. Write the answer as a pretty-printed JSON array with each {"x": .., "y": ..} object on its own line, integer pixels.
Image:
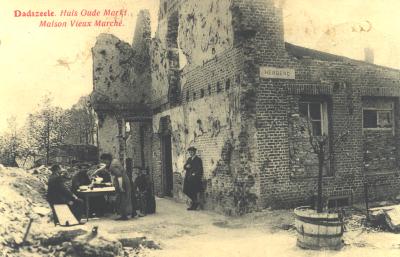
[{"x": 146, "y": 201}]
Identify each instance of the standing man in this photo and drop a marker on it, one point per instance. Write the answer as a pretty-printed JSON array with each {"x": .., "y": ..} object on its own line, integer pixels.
[
  {"x": 121, "y": 183},
  {"x": 193, "y": 178}
]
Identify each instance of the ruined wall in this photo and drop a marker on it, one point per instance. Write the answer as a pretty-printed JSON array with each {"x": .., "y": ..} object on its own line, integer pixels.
[
  {"x": 108, "y": 135},
  {"x": 209, "y": 124},
  {"x": 121, "y": 72},
  {"x": 122, "y": 83},
  {"x": 139, "y": 145},
  {"x": 210, "y": 120},
  {"x": 205, "y": 29},
  {"x": 112, "y": 70},
  {"x": 141, "y": 79},
  {"x": 133, "y": 144},
  {"x": 268, "y": 109},
  {"x": 159, "y": 75},
  {"x": 164, "y": 60},
  {"x": 189, "y": 33},
  {"x": 258, "y": 30}
]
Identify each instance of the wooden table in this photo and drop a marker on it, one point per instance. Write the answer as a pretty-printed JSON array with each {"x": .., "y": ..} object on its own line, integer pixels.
[{"x": 87, "y": 193}]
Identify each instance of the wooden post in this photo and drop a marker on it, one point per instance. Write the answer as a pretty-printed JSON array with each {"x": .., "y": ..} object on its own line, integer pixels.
[
  {"x": 366, "y": 198},
  {"x": 320, "y": 175},
  {"x": 27, "y": 231}
]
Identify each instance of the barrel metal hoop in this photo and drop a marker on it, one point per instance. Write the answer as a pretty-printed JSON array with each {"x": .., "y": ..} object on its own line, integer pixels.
[
  {"x": 317, "y": 218},
  {"x": 320, "y": 222},
  {"x": 320, "y": 235}
]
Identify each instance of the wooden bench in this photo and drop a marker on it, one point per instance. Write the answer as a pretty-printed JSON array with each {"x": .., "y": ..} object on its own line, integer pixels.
[{"x": 63, "y": 215}]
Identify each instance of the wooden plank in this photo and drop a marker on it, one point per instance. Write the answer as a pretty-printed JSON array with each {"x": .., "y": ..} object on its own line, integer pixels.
[
  {"x": 64, "y": 215},
  {"x": 393, "y": 218}
]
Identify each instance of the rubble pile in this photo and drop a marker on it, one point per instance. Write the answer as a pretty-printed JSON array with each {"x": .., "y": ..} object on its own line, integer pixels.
[
  {"x": 42, "y": 175},
  {"x": 79, "y": 242},
  {"x": 94, "y": 243},
  {"x": 21, "y": 200},
  {"x": 387, "y": 217}
]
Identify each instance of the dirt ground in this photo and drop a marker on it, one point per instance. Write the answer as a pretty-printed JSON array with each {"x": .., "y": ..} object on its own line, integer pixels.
[
  {"x": 267, "y": 233},
  {"x": 177, "y": 231}
]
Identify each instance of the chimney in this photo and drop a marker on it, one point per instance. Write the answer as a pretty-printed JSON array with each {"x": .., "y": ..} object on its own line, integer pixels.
[{"x": 369, "y": 55}]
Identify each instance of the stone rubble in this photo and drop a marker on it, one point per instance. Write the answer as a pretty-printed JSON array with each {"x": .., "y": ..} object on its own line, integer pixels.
[{"x": 22, "y": 199}]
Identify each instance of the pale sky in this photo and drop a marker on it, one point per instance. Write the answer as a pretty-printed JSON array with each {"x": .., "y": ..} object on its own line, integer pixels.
[{"x": 30, "y": 56}]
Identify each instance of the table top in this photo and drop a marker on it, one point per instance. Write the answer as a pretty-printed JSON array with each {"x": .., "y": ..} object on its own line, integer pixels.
[{"x": 87, "y": 190}]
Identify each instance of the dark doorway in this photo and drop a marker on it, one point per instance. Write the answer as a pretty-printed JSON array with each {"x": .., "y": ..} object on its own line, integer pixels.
[{"x": 167, "y": 164}]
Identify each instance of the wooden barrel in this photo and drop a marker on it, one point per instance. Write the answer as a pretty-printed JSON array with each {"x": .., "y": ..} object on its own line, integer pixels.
[{"x": 318, "y": 230}]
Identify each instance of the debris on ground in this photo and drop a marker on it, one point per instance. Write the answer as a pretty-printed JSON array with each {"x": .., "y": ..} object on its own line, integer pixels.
[
  {"x": 139, "y": 242},
  {"x": 21, "y": 201},
  {"x": 387, "y": 217}
]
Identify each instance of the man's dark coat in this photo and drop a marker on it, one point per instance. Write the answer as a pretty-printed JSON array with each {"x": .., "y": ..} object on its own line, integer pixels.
[
  {"x": 57, "y": 192},
  {"x": 193, "y": 178}
]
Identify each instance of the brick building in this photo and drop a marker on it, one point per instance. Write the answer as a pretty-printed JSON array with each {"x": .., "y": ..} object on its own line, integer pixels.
[{"x": 219, "y": 76}]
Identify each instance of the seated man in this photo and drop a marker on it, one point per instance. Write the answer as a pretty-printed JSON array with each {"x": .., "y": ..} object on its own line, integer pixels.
[
  {"x": 80, "y": 178},
  {"x": 97, "y": 203},
  {"x": 57, "y": 193}
]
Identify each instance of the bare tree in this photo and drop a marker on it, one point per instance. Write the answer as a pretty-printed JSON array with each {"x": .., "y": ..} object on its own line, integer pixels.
[
  {"x": 321, "y": 146},
  {"x": 48, "y": 127},
  {"x": 10, "y": 143},
  {"x": 82, "y": 123}
]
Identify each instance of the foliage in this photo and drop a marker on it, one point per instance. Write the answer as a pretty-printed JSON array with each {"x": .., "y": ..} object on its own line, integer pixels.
[{"x": 46, "y": 128}]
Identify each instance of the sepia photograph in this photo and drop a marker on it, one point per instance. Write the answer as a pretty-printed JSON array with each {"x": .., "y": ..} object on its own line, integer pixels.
[{"x": 199, "y": 128}]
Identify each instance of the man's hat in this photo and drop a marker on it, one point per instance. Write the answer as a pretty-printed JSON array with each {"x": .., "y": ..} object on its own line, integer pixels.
[
  {"x": 192, "y": 149},
  {"x": 55, "y": 168}
]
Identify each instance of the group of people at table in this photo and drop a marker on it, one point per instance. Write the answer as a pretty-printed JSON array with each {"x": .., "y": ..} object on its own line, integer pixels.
[{"x": 134, "y": 197}]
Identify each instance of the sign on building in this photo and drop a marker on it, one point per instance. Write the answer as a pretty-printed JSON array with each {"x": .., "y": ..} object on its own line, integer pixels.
[{"x": 277, "y": 73}]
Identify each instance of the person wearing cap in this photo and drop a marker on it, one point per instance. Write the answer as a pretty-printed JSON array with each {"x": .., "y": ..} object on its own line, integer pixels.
[
  {"x": 193, "y": 178},
  {"x": 58, "y": 193}
]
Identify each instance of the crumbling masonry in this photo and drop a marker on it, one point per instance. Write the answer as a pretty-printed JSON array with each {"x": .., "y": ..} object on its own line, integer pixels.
[{"x": 219, "y": 76}]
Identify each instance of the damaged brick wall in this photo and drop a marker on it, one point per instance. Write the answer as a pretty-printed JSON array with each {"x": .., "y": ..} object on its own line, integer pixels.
[
  {"x": 133, "y": 144},
  {"x": 141, "y": 80},
  {"x": 122, "y": 82},
  {"x": 108, "y": 135},
  {"x": 209, "y": 119},
  {"x": 112, "y": 70},
  {"x": 342, "y": 81},
  {"x": 188, "y": 33},
  {"x": 258, "y": 28},
  {"x": 205, "y": 29},
  {"x": 121, "y": 72},
  {"x": 243, "y": 125},
  {"x": 210, "y": 115}
]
